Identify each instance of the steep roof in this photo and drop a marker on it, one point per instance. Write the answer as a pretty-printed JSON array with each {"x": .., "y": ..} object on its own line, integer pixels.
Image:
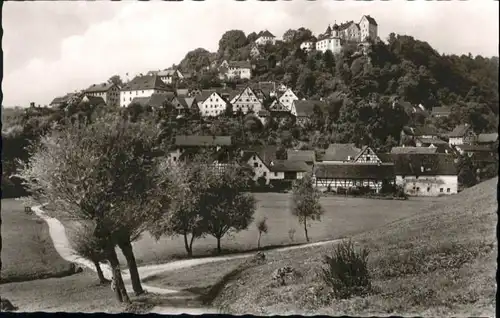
[
  {"x": 289, "y": 166},
  {"x": 266, "y": 33},
  {"x": 204, "y": 94},
  {"x": 266, "y": 153},
  {"x": 155, "y": 100},
  {"x": 340, "y": 152},
  {"x": 190, "y": 101},
  {"x": 475, "y": 148},
  {"x": 420, "y": 150},
  {"x": 194, "y": 140},
  {"x": 420, "y": 131},
  {"x": 441, "y": 110},
  {"x": 239, "y": 64},
  {"x": 487, "y": 138},
  {"x": 345, "y": 25},
  {"x": 459, "y": 131},
  {"x": 103, "y": 87},
  {"x": 145, "y": 82},
  {"x": 301, "y": 155},
  {"x": 182, "y": 91},
  {"x": 354, "y": 171},
  {"x": 60, "y": 99},
  {"x": 424, "y": 164},
  {"x": 305, "y": 108},
  {"x": 370, "y": 19},
  {"x": 169, "y": 72},
  {"x": 434, "y": 141}
]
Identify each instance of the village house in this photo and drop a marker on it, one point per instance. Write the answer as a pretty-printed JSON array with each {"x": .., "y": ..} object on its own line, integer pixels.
[
  {"x": 346, "y": 175},
  {"x": 303, "y": 110},
  {"x": 409, "y": 135},
  {"x": 307, "y": 156},
  {"x": 170, "y": 76},
  {"x": 265, "y": 165},
  {"x": 287, "y": 98},
  {"x": 254, "y": 52},
  {"x": 93, "y": 101},
  {"x": 308, "y": 46},
  {"x": 265, "y": 37},
  {"x": 156, "y": 100},
  {"x": 236, "y": 69},
  {"x": 441, "y": 145},
  {"x": 60, "y": 101},
  {"x": 186, "y": 146},
  {"x": 426, "y": 174},
  {"x": 211, "y": 104},
  {"x": 442, "y": 111},
  {"x": 480, "y": 155},
  {"x": 110, "y": 92},
  {"x": 184, "y": 105},
  {"x": 338, "y": 153},
  {"x": 246, "y": 101},
  {"x": 489, "y": 139},
  {"x": 142, "y": 86},
  {"x": 462, "y": 134}
]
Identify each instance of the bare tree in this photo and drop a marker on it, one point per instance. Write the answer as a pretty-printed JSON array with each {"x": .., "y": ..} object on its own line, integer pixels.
[
  {"x": 262, "y": 228},
  {"x": 106, "y": 172},
  {"x": 305, "y": 202}
]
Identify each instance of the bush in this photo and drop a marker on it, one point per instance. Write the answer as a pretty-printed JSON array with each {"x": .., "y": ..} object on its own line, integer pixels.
[{"x": 346, "y": 272}]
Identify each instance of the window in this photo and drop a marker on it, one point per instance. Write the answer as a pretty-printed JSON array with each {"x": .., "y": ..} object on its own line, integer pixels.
[
  {"x": 275, "y": 174},
  {"x": 264, "y": 173},
  {"x": 448, "y": 190},
  {"x": 428, "y": 189},
  {"x": 441, "y": 190},
  {"x": 255, "y": 165},
  {"x": 368, "y": 158},
  {"x": 402, "y": 177},
  {"x": 418, "y": 189}
]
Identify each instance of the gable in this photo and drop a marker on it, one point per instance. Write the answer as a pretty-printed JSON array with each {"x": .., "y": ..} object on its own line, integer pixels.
[{"x": 367, "y": 154}]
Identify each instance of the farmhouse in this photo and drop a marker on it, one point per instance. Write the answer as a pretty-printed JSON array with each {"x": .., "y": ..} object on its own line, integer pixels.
[
  {"x": 170, "y": 76},
  {"x": 443, "y": 111},
  {"x": 462, "y": 134},
  {"x": 304, "y": 110},
  {"x": 93, "y": 101},
  {"x": 108, "y": 91},
  {"x": 338, "y": 153},
  {"x": 307, "y": 156},
  {"x": 142, "y": 86},
  {"x": 247, "y": 101},
  {"x": 60, "y": 101},
  {"x": 426, "y": 174},
  {"x": 287, "y": 98},
  {"x": 211, "y": 104},
  {"x": 332, "y": 176},
  {"x": 183, "y": 105},
  {"x": 238, "y": 69},
  {"x": 410, "y": 134},
  {"x": 185, "y": 146},
  {"x": 156, "y": 100}
]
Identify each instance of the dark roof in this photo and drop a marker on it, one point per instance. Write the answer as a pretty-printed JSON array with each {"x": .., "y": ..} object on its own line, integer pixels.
[
  {"x": 371, "y": 20},
  {"x": 180, "y": 102},
  {"x": 190, "y": 101},
  {"x": 145, "y": 82},
  {"x": 354, "y": 171},
  {"x": 435, "y": 141},
  {"x": 420, "y": 131},
  {"x": 276, "y": 106},
  {"x": 266, "y": 153},
  {"x": 475, "y": 148},
  {"x": 95, "y": 100},
  {"x": 194, "y": 140},
  {"x": 182, "y": 91},
  {"x": 204, "y": 94},
  {"x": 301, "y": 155},
  {"x": 459, "y": 131},
  {"x": 266, "y": 33},
  {"x": 58, "y": 100},
  {"x": 421, "y": 150},
  {"x": 345, "y": 25},
  {"x": 487, "y": 138},
  {"x": 155, "y": 100},
  {"x": 289, "y": 166},
  {"x": 441, "y": 110},
  {"x": 103, "y": 87},
  {"x": 340, "y": 152},
  {"x": 239, "y": 64},
  {"x": 433, "y": 164},
  {"x": 263, "y": 113},
  {"x": 168, "y": 72},
  {"x": 305, "y": 108}
]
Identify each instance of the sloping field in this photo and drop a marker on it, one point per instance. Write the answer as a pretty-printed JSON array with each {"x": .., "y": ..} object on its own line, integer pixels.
[{"x": 441, "y": 261}]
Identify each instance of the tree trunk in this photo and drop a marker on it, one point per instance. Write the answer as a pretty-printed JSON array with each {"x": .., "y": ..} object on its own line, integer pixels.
[
  {"x": 186, "y": 245},
  {"x": 191, "y": 244},
  {"x": 126, "y": 248},
  {"x": 219, "y": 249},
  {"x": 102, "y": 280},
  {"x": 305, "y": 229},
  {"x": 121, "y": 292},
  {"x": 258, "y": 242}
]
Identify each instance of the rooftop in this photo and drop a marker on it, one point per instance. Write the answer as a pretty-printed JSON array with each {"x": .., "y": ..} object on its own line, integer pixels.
[{"x": 146, "y": 82}]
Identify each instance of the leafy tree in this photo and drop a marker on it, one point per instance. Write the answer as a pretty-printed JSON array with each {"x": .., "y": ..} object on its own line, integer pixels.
[
  {"x": 106, "y": 172},
  {"x": 116, "y": 79},
  {"x": 227, "y": 208},
  {"x": 305, "y": 202}
]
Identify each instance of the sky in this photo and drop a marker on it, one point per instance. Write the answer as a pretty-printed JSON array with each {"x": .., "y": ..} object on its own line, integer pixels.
[{"x": 54, "y": 47}]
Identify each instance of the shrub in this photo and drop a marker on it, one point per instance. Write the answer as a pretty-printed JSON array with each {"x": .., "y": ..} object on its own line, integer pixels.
[{"x": 346, "y": 271}]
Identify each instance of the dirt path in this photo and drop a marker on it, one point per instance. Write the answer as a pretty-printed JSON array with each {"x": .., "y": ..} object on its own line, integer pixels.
[{"x": 63, "y": 247}]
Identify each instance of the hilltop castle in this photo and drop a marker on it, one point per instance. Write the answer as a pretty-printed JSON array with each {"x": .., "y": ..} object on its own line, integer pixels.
[{"x": 336, "y": 36}]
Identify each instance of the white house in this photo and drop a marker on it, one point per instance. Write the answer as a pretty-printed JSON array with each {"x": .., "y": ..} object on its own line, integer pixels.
[
  {"x": 308, "y": 46},
  {"x": 265, "y": 37},
  {"x": 186, "y": 144},
  {"x": 232, "y": 69},
  {"x": 426, "y": 174},
  {"x": 330, "y": 40},
  {"x": 168, "y": 76},
  {"x": 211, "y": 104},
  {"x": 286, "y": 99},
  {"x": 108, "y": 91},
  {"x": 142, "y": 86},
  {"x": 462, "y": 134}
]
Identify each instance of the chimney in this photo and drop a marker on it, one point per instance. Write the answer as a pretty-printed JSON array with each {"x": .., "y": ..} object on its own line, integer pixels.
[{"x": 32, "y": 104}]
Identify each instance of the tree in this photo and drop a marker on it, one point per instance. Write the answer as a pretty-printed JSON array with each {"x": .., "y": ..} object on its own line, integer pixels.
[
  {"x": 305, "y": 202},
  {"x": 116, "y": 79},
  {"x": 183, "y": 217},
  {"x": 106, "y": 172},
  {"x": 262, "y": 228},
  {"x": 226, "y": 207}
]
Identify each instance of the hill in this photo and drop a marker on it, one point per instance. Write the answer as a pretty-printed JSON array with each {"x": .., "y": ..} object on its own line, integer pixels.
[{"x": 441, "y": 261}]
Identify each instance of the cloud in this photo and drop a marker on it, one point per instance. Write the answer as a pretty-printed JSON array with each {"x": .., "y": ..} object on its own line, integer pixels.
[{"x": 134, "y": 37}]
